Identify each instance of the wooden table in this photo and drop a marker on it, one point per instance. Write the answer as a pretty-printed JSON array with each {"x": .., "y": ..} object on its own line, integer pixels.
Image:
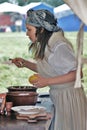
[{"x": 11, "y": 123}]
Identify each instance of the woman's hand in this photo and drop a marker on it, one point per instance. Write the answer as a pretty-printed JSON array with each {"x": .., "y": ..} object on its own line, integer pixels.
[
  {"x": 41, "y": 82},
  {"x": 19, "y": 62}
]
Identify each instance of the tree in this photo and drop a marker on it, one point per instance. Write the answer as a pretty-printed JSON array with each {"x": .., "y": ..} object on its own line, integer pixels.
[
  {"x": 50, "y": 2},
  {"x": 53, "y": 2},
  {"x": 25, "y": 2},
  {"x": 1, "y": 1}
]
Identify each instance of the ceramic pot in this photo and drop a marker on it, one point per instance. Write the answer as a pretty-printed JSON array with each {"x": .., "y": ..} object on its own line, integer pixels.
[
  {"x": 22, "y": 98},
  {"x": 21, "y": 88}
]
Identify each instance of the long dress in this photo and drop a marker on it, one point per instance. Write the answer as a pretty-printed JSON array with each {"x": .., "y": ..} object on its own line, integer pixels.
[{"x": 70, "y": 103}]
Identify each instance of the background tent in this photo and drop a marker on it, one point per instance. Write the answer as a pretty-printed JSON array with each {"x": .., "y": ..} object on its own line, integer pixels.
[
  {"x": 8, "y": 7},
  {"x": 35, "y": 6},
  {"x": 10, "y": 18},
  {"x": 62, "y": 10},
  {"x": 67, "y": 20},
  {"x": 44, "y": 6},
  {"x": 70, "y": 23},
  {"x": 79, "y": 7},
  {"x": 29, "y": 6},
  {"x": 21, "y": 10}
]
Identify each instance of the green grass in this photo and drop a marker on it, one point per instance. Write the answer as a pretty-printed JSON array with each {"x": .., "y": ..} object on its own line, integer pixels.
[{"x": 16, "y": 45}]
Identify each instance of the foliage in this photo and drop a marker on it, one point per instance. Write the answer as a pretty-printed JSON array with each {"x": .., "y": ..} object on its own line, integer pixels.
[
  {"x": 50, "y": 2},
  {"x": 1, "y": 1},
  {"x": 25, "y": 2}
]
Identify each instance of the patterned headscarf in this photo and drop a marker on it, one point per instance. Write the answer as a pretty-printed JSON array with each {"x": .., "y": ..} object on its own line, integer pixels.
[{"x": 42, "y": 18}]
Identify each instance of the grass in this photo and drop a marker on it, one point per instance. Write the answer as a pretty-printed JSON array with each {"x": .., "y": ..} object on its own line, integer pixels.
[{"x": 16, "y": 45}]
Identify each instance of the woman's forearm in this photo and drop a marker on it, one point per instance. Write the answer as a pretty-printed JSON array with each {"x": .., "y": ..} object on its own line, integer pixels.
[
  {"x": 30, "y": 65},
  {"x": 70, "y": 77}
]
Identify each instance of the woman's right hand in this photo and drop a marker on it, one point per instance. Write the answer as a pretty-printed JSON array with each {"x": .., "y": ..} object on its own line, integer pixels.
[{"x": 19, "y": 62}]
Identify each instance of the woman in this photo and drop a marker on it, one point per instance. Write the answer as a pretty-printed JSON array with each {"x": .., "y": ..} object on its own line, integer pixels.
[{"x": 56, "y": 67}]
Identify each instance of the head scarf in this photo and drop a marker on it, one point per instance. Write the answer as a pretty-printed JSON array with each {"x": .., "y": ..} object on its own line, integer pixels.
[{"x": 42, "y": 18}]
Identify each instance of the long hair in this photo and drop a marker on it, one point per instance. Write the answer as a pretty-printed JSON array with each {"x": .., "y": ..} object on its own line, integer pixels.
[{"x": 38, "y": 48}]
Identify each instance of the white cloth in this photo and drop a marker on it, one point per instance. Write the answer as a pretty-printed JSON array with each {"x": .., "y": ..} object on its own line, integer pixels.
[{"x": 65, "y": 57}]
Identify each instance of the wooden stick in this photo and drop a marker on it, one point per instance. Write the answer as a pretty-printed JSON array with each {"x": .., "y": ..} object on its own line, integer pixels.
[{"x": 79, "y": 53}]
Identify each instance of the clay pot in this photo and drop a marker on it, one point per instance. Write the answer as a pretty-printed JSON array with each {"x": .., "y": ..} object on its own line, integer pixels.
[
  {"x": 22, "y": 98},
  {"x": 21, "y": 88}
]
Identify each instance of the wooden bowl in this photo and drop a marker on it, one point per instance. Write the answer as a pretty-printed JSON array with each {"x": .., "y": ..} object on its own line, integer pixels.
[{"x": 22, "y": 98}]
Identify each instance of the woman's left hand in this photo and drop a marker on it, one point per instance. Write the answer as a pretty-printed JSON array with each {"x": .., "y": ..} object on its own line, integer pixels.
[{"x": 41, "y": 82}]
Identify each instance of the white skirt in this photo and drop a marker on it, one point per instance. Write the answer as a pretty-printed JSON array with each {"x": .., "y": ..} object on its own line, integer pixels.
[{"x": 70, "y": 106}]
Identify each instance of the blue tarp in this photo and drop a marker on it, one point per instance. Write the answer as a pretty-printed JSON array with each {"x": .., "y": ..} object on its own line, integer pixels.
[
  {"x": 44, "y": 6},
  {"x": 70, "y": 23}
]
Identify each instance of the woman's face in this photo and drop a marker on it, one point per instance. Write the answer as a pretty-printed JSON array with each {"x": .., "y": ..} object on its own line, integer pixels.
[{"x": 31, "y": 32}]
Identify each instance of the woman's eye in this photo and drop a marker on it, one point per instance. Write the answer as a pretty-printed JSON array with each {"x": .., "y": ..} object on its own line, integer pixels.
[{"x": 29, "y": 30}]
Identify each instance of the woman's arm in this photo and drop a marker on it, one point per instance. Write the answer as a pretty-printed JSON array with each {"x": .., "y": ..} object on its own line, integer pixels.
[
  {"x": 30, "y": 65},
  {"x": 42, "y": 81},
  {"x": 69, "y": 77},
  {"x": 20, "y": 62}
]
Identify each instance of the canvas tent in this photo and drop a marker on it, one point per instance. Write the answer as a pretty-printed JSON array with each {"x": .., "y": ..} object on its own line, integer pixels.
[
  {"x": 79, "y": 7},
  {"x": 35, "y": 6},
  {"x": 70, "y": 23},
  {"x": 62, "y": 10},
  {"x": 26, "y": 7},
  {"x": 44, "y": 6},
  {"x": 67, "y": 19},
  {"x": 8, "y": 7}
]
